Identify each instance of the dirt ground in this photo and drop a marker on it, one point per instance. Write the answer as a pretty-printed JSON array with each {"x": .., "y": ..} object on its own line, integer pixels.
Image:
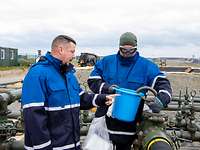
[
  {"x": 181, "y": 81},
  {"x": 12, "y": 75}
]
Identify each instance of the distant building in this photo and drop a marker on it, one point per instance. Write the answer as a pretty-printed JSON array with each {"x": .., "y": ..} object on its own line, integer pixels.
[{"x": 8, "y": 56}]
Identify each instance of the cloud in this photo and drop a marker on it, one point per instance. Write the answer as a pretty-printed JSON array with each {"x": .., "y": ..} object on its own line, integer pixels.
[{"x": 97, "y": 24}]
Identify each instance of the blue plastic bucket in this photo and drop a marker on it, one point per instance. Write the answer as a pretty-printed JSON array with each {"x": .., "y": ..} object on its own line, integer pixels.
[{"x": 126, "y": 104}]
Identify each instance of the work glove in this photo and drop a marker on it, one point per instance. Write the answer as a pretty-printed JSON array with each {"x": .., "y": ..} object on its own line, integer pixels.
[
  {"x": 112, "y": 89},
  {"x": 156, "y": 105}
]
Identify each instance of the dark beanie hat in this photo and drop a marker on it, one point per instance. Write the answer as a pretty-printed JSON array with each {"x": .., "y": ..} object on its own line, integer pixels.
[{"x": 128, "y": 38}]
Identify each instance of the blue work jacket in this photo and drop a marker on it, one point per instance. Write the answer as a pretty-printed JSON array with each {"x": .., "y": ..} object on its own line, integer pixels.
[
  {"x": 51, "y": 100},
  {"x": 131, "y": 73}
]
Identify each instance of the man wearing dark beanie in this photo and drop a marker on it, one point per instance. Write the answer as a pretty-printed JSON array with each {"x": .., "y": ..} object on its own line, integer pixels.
[{"x": 127, "y": 69}]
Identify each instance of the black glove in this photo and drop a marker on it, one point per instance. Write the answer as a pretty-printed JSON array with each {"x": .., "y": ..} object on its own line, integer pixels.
[
  {"x": 156, "y": 105},
  {"x": 112, "y": 89}
]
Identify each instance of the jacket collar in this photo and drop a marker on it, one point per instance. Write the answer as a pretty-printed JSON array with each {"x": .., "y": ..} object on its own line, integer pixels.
[
  {"x": 127, "y": 61},
  {"x": 63, "y": 68}
]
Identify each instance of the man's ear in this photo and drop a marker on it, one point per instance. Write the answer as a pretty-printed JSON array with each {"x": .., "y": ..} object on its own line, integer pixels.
[{"x": 60, "y": 50}]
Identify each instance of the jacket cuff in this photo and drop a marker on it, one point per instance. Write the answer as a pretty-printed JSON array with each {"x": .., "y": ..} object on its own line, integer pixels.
[
  {"x": 99, "y": 100},
  {"x": 105, "y": 88},
  {"x": 164, "y": 98}
]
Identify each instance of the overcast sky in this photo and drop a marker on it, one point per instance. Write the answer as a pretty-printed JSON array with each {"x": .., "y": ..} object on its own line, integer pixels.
[{"x": 164, "y": 27}]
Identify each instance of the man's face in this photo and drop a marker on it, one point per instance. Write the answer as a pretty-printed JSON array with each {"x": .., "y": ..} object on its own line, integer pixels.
[
  {"x": 127, "y": 50},
  {"x": 68, "y": 52}
]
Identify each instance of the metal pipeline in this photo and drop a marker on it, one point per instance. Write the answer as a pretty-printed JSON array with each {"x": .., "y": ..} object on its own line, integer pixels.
[
  {"x": 186, "y": 135},
  {"x": 176, "y": 103},
  {"x": 155, "y": 139},
  {"x": 176, "y": 99},
  {"x": 8, "y": 98},
  {"x": 14, "y": 115},
  {"x": 175, "y": 108},
  {"x": 11, "y": 96},
  {"x": 195, "y": 99}
]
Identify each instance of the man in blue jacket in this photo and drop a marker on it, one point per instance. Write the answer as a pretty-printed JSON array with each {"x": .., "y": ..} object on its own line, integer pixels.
[
  {"x": 129, "y": 70},
  {"x": 52, "y": 97}
]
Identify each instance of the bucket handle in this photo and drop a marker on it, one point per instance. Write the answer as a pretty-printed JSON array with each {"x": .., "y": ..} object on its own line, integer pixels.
[
  {"x": 144, "y": 88},
  {"x": 147, "y": 88}
]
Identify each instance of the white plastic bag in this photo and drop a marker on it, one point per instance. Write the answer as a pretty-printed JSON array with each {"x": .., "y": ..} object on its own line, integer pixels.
[
  {"x": 109, "y": 112},
  {"x": 97, "y": 137}
]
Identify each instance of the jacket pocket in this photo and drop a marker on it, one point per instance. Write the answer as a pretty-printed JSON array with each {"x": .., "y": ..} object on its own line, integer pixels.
[{"x": 58, "y": 95}]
